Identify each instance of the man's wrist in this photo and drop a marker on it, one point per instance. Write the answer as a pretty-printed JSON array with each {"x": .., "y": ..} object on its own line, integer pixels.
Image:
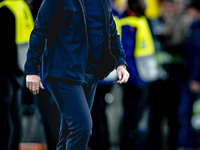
[{"x": 123, "y": 66}]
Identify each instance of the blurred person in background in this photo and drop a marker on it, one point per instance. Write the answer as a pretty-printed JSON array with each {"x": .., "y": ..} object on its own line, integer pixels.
[
  {"x": 27, "y": 100},
  {"x": 119, "y": 7},
  {"x": 35, "y": 5},
  {"x": 169, "y": 28},
  {"x": 139, "y": 48},
  {"x": 16, "y": 24},
  {"x": 190, "y": 87}
]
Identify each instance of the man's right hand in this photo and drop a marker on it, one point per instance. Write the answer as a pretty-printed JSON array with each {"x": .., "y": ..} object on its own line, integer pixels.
[{"x": 33, "y": 83}]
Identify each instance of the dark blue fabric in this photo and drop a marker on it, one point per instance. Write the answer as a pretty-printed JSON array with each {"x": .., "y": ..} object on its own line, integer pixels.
[
  {"x": 192, "y": 52},
  {"x": 184, "y": 113},
  {"x": 95, "y": 25},
  {"x": 128, "y": 42},
  {"x": 59, "y": 39},
  {"x": 74, "y": 102},
  {"x": 192, "y": 61}
]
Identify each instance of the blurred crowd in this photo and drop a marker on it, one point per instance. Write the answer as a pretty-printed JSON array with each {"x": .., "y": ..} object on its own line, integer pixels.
[{"x": 161, "y": 39}]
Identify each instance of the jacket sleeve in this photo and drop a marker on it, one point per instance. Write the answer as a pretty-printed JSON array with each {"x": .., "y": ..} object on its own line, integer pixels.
[
  {"x": 47, "y": 17},
  {"x": 195, "y": 60},
  {"x": 116, "y": 46}
]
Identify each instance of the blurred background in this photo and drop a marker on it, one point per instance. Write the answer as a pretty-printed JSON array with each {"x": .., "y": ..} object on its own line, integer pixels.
[{"x": 157, "y": 109}]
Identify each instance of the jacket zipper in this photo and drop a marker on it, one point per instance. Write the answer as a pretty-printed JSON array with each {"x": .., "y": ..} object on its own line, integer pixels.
[
  {"x": 86, "y": 33},
  {"x": 108, "y": 30}
]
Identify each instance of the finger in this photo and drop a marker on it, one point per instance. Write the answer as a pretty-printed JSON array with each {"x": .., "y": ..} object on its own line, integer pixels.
[
  {"x": 121, "y": 78},
  {"x": 34, "y": 86},
  {"x": 41, "y": 86},
  {"x": 34, "y": 92},
  {"x": 119, "y": 75},
  {"x": 119, "y": 81},
  {"x": 27, "y": 84},
  {"x": 37, "y": 92},
  {"x": 38, "y": 87},
  {"x": 125, "y": 78},
  {"x": 30, "y": 86}
]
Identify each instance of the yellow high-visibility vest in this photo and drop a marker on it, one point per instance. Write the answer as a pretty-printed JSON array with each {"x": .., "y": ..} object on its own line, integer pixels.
[
  {"x": 24, "y": 24},
  {"x": 144, "y": 47},
  {"x": 23, "y": 19},
  {"x": 153, "y": 10},
  {"x": 144, "y": 41}
]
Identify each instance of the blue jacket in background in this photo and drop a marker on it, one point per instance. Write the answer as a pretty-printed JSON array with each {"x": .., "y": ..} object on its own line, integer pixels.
[
  {"x": 192, "y": 52},
  {"x": 60, "y": 40}
]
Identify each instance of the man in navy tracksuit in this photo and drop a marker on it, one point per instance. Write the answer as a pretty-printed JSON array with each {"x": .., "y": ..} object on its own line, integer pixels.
[{"x": 77, "y": 43}]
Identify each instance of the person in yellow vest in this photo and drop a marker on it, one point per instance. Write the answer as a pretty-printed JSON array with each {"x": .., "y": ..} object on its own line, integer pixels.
[{"x": 16, "y": 25}]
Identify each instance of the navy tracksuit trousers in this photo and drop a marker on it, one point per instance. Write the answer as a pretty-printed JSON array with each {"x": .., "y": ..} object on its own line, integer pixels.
[{"x": 74, "y": 101}]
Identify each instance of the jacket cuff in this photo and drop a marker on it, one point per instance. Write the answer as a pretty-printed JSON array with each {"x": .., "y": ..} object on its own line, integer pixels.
[
  {"x": 121, "y": 62},
  {"x": 31, "y": 71}
]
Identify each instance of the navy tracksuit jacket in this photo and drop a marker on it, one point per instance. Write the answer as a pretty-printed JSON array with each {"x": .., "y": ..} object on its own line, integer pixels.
[{"x": 60, "y": 40}]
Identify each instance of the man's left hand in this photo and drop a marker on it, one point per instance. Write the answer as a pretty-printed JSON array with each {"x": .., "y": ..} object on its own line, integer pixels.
[{"x": 122, "y": 74}]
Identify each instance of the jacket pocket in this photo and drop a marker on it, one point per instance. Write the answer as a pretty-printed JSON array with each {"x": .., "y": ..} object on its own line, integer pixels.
[{"x": 72, "y": 15}]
